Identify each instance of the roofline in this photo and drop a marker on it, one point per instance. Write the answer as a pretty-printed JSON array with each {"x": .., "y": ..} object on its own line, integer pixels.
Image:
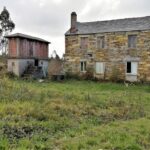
[
  {"x": 45, "y": 58},
  {"x": 103, "y": 21},
  {"x": 72, "y": 34},
  {"x": 20, "y": 35},
  {"x": 113, "y": 19}
]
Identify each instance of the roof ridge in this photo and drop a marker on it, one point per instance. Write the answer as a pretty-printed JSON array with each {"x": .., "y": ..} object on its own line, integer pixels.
[
  {"x": 114, "y": 20},
  {"x": 26, "y": 36},
  {"x": 115, "y": 25}
]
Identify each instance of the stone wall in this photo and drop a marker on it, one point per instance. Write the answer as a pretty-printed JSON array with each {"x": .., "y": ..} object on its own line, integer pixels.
[
  {"x": 55, "y": 67},
  {"x": 18, "y": 66},
  {"x": 115, "y": 54},
  {"x": 27, "y": 48}
]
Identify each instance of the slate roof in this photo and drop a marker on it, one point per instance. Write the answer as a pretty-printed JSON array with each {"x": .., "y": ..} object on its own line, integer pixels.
[
  {"x": 128, "y": 24},
  {"x": 20, "y": 35}
]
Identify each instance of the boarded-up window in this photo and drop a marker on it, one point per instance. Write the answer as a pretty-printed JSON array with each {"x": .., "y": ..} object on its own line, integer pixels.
[
  {"x": 83, "y": 66},
  {"x": 132, "y": 40},
  {"x": 132, "y": 67},
  {"x": 101, "y": 42},
  {"x": 84, "y": 42},
  {"x": 99, "y": 67}
]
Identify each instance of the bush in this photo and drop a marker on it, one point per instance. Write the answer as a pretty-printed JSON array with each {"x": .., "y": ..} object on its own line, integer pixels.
[
  {"x": 70, "y": 75},
  {"x": 114, "y": 75},
  {"x": 88, "y": 75}
]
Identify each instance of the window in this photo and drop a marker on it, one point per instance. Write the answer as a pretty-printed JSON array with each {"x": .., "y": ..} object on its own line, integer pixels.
[
  {"x": 132, "y": 39},
  {"x": 132, "y": 68},
  {"x": 128, "y": 67},
  {"x": 84, "y": 42},
  {"x": 90, "y": 55},
  {"x": 83, "y": 66},
  {"x": 101, "y": 42},
  {"x": 99, "y": 67}
]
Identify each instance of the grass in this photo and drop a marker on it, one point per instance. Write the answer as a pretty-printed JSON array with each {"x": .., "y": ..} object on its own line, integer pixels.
[{"x": 73, "y": 115}]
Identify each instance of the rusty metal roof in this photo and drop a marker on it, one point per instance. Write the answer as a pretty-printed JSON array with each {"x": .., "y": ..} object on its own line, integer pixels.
[
  {"x": 128, "y": 24},
  {"x": 20, "y": 35}
]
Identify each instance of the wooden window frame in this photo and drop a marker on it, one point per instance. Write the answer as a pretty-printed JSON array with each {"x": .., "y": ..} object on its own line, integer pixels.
[
  {"x": 133, "y": 68},
  {"x": 100, "y": 42},
  {"x": 132, "y": 41}
]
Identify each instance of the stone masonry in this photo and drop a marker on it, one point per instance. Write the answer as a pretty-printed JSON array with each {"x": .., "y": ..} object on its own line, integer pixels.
[{"x": 114, "y": 55}]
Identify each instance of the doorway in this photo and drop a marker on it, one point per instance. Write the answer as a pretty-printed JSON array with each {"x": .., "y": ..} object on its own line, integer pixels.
[{"x": 36, "y": 62}]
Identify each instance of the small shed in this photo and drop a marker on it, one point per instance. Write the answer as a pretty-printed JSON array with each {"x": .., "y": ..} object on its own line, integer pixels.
[{"x": 24, "y": 51}]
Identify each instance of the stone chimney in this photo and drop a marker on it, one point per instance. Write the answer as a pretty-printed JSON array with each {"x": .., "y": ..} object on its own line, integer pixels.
[{"x": 73, "y": 22}]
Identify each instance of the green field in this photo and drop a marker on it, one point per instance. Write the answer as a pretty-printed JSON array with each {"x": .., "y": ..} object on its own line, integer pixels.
[{"x": 73, "y": 115}]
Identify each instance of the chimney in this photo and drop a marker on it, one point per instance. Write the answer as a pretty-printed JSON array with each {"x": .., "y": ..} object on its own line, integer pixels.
[{"x": 73, "y": 22}]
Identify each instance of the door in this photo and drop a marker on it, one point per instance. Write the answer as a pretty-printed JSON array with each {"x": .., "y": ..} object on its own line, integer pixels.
[
  {"x": 36, "y": 63},
  {"x": 134, "y": 67}
]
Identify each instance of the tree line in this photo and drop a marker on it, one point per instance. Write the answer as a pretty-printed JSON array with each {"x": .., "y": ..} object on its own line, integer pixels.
[{"x": 6, "y": 27}]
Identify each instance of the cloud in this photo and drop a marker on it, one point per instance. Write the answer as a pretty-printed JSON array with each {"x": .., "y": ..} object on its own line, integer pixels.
[
  {"x": 57, "y": 1},
  {"x": 50, "y": 19}
]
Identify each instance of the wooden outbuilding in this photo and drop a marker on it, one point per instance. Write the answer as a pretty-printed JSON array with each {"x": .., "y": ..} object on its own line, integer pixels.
[{"x": 25, "y": 51}]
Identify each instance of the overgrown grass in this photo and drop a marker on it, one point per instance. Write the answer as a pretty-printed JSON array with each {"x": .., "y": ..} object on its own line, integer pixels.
[{"x": 74, "y": 115}]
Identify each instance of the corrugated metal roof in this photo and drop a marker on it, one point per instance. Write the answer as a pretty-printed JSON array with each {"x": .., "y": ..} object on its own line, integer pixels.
[
  {"x": 128, "y": 24},
  {"x": 26, "y": 37}
]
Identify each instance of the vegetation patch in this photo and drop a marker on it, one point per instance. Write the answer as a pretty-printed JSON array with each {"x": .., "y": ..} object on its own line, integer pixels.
[{"x": 73, "y": 115}]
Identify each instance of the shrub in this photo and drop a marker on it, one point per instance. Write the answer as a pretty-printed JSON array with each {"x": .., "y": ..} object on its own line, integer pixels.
[
  {"x": 88, "y": 75},
  {"x": 115, "y": 74},
  {"x": 70, "y": 75}
]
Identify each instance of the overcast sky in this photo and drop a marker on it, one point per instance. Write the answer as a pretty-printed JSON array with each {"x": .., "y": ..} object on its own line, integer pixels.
[{"x": 50, "y": 19}]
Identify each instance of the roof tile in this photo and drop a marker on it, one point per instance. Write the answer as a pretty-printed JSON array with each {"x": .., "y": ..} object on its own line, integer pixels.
[{"x": 128, "y": 24}]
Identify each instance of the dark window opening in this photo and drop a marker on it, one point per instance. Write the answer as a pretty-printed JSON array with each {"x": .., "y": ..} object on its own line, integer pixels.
[
  {"x": 36, "y": 62},
  {"x": 128, "y": 67},
  {"x": 83, "y": 66},
  {"x": 90, "y": 55}
]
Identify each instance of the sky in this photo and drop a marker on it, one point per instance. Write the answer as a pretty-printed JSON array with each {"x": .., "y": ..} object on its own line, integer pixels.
[{"x": 50, "y": 19}]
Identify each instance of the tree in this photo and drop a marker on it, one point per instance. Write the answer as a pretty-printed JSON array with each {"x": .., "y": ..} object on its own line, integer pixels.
[{"x": 6, "y": 26}]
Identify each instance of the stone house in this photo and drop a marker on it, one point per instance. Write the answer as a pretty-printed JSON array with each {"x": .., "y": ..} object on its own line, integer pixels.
[
  {"x": 26, "y": 52},
  {"x": 110, "y": 49}
]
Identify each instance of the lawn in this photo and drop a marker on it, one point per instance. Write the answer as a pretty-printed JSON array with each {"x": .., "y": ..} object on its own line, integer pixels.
[{"x": 73, "y": 115}]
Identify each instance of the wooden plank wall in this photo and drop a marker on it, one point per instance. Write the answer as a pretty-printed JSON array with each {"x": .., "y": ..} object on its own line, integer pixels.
[{"x": 28, "y": 48}]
